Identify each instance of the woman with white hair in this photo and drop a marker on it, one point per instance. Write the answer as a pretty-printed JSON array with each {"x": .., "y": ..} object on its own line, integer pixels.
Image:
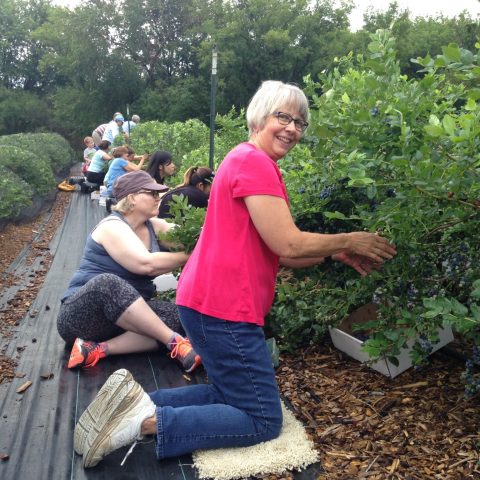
[{"x": 225, "y": 291}]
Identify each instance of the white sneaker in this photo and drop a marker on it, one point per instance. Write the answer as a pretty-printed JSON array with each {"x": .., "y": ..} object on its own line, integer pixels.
[
  {"x": 120, "y": 427},
  {"x": 106, "y": 400}
]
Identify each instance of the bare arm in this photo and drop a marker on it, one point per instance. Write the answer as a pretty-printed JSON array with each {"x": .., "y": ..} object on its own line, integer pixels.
[
  {"x": 273, "y": 221},
  {"x": 300, "y": 262},
  {"x": 128, "y": 250},
  {"x": 160, "y": 225},
  {"x": 132, "y": 167}
]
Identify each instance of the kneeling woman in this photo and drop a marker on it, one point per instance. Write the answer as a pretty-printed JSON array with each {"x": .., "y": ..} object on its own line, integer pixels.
[{"x": 108, "y": 307}]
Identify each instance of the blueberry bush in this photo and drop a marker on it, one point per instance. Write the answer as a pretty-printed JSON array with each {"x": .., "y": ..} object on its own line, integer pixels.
[
  {"x": 400, "y": 157},
  {"x": 397, "y": 156}
]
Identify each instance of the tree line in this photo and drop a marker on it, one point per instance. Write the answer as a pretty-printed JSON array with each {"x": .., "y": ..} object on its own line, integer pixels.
[{"x": 68, "y": 70}]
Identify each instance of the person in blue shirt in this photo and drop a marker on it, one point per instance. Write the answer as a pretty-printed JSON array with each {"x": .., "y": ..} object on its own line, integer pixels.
[
  {"x": 96, "y": 169},
  {"x": 122, "y": 163}
]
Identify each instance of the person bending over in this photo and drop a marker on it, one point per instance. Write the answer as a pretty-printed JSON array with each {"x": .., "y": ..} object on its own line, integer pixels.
[
  {"x": 96, "y": 169},
  {"x": 225, "y": 291},
  {"x": 160, "y": 166},
  {"x": 108, "y": 307},
  {"x": 197, "y": 182},
  {"x": 122, "y": 163}
]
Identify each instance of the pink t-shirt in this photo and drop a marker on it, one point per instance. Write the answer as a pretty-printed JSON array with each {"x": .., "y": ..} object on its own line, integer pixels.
[{"x": 231, "y": 273}]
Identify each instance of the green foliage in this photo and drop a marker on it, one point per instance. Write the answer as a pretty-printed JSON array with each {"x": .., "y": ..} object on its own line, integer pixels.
[
  {"x": 52, "y": 146},
  {"x": 33, "y": 169},
  {"x": 28, "y": 165},
  {"x": 419, "y": 36},
  {"x": 188, "y": 222},
  {"x": 398, "y": 156},
  {"x": 179, "y": 138},
  {"x": 21, "y": 111},
  {"x": 15, "y": 194},
  {"x": 304, "y": 308}
]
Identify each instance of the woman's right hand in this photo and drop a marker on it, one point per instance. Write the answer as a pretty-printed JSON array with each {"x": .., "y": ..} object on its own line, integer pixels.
[{"x": 370, "y": 245}]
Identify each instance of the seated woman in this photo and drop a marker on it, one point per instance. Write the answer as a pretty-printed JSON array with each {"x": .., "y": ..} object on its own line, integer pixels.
[
  {"x": 197, "y": 182},
  {"x": 160, "y": 166},
  {"x": 122, "y": 163},
  {"x": 108, "y": 307},
  {"x": 96, "y": 169}
]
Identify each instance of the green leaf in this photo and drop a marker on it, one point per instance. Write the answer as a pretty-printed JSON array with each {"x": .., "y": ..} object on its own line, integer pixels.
[
  {"x": 434, "y": 130},
  {"x": 393, "y": 360},
  {"x": 337, "y": 214},
  {"x": 452, "y": 52},
  {"x": 449, "y": 124}
]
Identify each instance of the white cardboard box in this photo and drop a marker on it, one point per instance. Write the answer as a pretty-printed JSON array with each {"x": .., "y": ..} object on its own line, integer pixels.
[{"x": 353, "y": 346}]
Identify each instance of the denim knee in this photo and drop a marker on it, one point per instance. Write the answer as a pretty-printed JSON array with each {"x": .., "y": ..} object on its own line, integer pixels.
[{"x": 271, "y": 426}]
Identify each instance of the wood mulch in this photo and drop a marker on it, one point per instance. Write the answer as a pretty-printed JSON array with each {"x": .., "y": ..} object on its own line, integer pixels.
[
  {"x": 417, "y": 426},
  {"x": 27, "y": 241}
]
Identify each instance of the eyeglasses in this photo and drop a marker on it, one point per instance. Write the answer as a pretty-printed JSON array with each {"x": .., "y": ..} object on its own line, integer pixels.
[
  {"x": 286, "y": 119},
  {"x": 153, "y": 193}
]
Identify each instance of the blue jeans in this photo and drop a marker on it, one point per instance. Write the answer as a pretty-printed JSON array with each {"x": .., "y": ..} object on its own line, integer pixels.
[{"x": 241, "y": 404}]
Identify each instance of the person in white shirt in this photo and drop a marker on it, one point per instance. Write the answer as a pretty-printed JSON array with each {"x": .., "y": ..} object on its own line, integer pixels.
[{"x": 114, "y": 128}]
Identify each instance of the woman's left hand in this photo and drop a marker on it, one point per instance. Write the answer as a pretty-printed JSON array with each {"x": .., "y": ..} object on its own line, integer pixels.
[{"x": 363, "y": 265}]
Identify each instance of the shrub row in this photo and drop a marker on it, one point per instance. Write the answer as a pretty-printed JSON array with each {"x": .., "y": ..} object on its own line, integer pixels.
[{"x": 30, "y": 166}]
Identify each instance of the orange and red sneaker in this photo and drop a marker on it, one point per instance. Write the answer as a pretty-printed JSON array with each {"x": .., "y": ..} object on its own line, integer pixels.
[
  {"x": 85, "y": 354},
  {"x": 183, "y": 351}
]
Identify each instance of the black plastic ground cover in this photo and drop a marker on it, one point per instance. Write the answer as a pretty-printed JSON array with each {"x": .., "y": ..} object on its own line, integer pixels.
[{"x": 36, "y": 427}]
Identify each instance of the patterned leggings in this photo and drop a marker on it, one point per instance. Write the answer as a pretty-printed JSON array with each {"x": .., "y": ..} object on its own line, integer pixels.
[{"x": 92, "y": 311}]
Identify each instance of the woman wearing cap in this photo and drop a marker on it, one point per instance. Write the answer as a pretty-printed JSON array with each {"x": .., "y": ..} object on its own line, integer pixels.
[
  {"x": 225, "y": 291},
  {"x": 108, "y": 307},
  {"x": 197, "y": 182},
  {"x": 160, "y": 166}
]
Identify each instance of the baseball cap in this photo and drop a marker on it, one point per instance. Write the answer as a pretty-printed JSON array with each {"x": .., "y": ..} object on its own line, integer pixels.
[{"x": 133, "y": 182}]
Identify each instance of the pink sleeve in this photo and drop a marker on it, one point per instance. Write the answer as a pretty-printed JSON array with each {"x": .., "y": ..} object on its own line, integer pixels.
[{"x": 257, "y": 174}]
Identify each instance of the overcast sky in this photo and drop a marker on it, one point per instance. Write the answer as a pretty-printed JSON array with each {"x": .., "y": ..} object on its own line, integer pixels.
[{"x": 421, "y": 8}]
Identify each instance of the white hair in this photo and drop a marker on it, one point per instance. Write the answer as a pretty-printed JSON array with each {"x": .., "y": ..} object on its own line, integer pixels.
[
  {"x": 272, "y": 96},
  {"x": 135, "y": 119}
]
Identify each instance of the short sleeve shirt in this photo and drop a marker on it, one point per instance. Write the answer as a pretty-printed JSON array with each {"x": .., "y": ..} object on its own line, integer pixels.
[
  {"x": 115, "y": 170},
  {"x": 97, "y": 163},
  {"x": 231, "y": 273}
]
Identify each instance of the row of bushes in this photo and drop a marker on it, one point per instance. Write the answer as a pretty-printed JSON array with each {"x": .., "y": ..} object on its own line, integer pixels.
[{"x": 30, "y": 166}]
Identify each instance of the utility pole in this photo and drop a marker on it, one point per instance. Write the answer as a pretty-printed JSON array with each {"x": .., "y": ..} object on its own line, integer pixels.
[
  {"x": 128, "y": 125},
  {"x": 212, "y": 103}
]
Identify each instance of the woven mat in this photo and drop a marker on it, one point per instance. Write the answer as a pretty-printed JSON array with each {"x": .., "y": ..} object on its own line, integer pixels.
[{"x": 292, "y": 450}]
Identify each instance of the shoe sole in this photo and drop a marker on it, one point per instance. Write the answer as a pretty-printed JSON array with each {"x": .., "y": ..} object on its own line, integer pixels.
[
  {"x": 99, "y": 436},
  {"x": 79, "y": 364},
  {"x": 196, "y": 364},
  {"x": 98, "y": 411}
]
